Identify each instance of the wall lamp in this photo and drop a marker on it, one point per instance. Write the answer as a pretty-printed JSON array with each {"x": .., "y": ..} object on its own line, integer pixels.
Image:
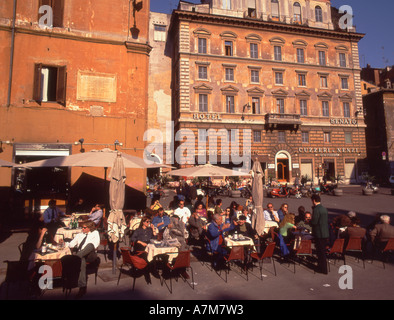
[
  {"x": 80, "y": 141},
  {"x": 1, "y": 145},
  {"x": 243, "y": 110},
  {"x": 117, "y": 143}
]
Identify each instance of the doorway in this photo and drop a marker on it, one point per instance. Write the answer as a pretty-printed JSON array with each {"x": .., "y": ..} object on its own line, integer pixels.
[{"x": 282, "y": 169}]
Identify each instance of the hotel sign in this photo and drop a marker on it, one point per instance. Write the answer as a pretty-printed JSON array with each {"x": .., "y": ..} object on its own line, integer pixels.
[
  {"x": 346, "y": 121},
  {"x": 207, "y": 116}
]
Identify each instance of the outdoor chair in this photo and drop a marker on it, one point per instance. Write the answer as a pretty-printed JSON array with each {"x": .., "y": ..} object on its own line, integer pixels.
[
  {"x": 71, "y": 267},
  {"x": 268, "y": 253},
  {"x": 17, "y": 273},
  {"x": 133, "y": 261},
  {"x": 179, "y": 266},
  {"x": 336, "y": 249},
  {"x": 92, "y": 268},
  {"x": 237, "y": 253},
  {"x": 304, "y": 250},
  {"x": 389, "y": 248},
  {"x": 355, "y": 245}
]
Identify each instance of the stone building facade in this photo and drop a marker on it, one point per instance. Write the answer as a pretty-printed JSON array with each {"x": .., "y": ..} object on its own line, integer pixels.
[
  {"x": 281, "y": 75},
  {"x": 81, "y": 75}
]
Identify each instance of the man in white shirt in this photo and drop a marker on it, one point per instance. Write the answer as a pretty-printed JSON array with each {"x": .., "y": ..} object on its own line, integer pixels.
[
  {"x": 86, "y": 243},
  {"x": 270, "y": 214},
  {"x": 183, "y": 212}
]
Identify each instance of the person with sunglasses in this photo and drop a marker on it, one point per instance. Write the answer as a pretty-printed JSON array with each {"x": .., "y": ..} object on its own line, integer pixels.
[
  {"x": 85, "y": 244},
  {"x": 142, "y": 236}
]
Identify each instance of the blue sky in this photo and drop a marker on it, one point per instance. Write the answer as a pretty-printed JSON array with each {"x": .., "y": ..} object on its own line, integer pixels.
[{"x": 374, "y": 18}]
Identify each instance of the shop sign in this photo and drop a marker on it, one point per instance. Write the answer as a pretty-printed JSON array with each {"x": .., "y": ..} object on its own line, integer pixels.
[{"x": 328, "y": 150}]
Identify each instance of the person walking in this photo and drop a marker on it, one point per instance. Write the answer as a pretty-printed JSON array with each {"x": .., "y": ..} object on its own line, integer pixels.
[{"x": 320, "y": 232}]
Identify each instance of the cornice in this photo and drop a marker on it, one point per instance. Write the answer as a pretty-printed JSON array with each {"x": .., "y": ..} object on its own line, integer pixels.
[{"x": 266, "y": 25}]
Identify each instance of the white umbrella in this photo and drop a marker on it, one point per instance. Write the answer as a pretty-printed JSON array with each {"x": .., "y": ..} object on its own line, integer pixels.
[
  {"x": 258, "y": 221},
  {"x": 116, "y": 220},
  {"x": 207, "y": 170},
  {"x": 95, "y": 158},
  {"x": 7, "y": 164}
]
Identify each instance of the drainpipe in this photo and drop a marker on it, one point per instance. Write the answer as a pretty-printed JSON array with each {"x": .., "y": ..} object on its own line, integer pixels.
[{"x": 11, "y": 56}]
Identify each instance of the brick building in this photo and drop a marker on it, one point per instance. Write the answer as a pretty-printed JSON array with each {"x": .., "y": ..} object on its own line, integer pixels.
[
  {"x": 281, "y": 74},
  {"x": 83, "y": 76}
]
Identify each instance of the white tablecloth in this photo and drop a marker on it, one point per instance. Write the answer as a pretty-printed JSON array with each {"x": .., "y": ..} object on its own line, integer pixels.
[
  {"x": 67, "y": 233},
  {"x": 153, "y": 251}
]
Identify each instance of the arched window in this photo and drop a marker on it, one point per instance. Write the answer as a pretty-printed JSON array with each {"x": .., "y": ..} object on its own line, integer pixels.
[
  {"x": 297, "y": 12},
  {"x": 319, "y": 14},
  {"x": 275, "y": 9}
]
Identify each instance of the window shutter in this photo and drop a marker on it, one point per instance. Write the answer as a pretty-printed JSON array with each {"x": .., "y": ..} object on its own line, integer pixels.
[
  {"x": 61, "y": 85},
  {"x": 58, "y": 11},
  {"x": 37, "y": 85}
]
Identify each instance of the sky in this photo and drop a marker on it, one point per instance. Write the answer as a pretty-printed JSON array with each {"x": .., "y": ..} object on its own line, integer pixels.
[{"x": 373, "y": 18}]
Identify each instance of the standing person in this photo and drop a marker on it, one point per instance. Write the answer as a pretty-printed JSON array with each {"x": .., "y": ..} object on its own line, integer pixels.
[
  {"x": 320, "y": 232},
  {"x": 52, "y": 218},
  {"x": 86, "y": 243}
]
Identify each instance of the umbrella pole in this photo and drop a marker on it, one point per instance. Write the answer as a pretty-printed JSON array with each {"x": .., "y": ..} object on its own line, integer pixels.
[{"x": 114, "y": 258}]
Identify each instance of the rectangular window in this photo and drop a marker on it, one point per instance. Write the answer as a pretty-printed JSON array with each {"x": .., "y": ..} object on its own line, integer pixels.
[
  {"x": 254, "y": 76},
  {"x": 50, "y": 84},
  {"x": 256, "y": 105},
  {"x": 300, "y": 55},
  {"x": 325, "y": 109},
  {"x": 280, "y": 105},
  {"x": 281, "y": 136},
  {"x": 256, "y": 136},
  {"x": 226, "y": 4},
  {"x": 348, "y": 138},
  {"x": 228, "y": 48},
  {"x": 327, "y": 137},
  {"x": 305, "y": 137},
  {"x": 159, "y": 33},
  {"x": 342, "y": 60},
  {"x": 254, "y": 51},
  {"x": 322, "y": 58},
  {"x": 230, "y": 104},
  {"x": 302, "y": 80},
  {"x": 346, "y": 109},
  {"x": 229, "y": 74},
  {"x": 203, "y": 102},
  {"x": 57, "y": 10},
  {"x": 278, "y": 53},
  {"x": 323, "y": 82},
  {"x": 275, "y": 9},
  {"x": 303, "y": 107},
  {"x": 202, "y": 45},
  {"x": 202, "y": 72},
  {"x": 344, "y": 83},
  {"x": 278, "y": 78}
]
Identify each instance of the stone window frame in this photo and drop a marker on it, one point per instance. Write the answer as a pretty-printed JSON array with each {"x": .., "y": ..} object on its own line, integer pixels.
[
  {"x": 229, "y": 36},
  {"x": 202, "y": 33}
]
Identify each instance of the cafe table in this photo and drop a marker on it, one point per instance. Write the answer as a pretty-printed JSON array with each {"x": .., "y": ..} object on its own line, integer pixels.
[
  {"x": 52, "y": 253},
  {"x": 157, "y": 248},
  {"x": 66, "y": 233},
  {"x": 241, "y": 241}
]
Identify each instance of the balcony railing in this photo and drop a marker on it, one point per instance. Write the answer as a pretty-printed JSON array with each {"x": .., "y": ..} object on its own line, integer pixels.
[{"x": 274, "y": 120}]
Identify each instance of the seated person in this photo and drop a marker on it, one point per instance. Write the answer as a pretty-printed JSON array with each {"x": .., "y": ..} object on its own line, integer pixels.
[
  {"x": 270, "y": 214},
  {"x": 177, "y": 230},
  {"x": 197, "y": 226},
  {"x": 215, "y": 236},
  {"x": 156, "y": 205},
  {"x": 287, "y": 224},
  {"x": 86, "y": 243},
  {"x": 96, "y": 214},
  {"x": 161, "y": 221},
  {"x": 218, "y": 206},
  {"x": 52, "y": 217},
  {"x": 182, "y": 212},
  {"x": 201, "y": 211},
  {"x": 80, "y": 206},
  {"x": 244, "y": 228},
  {"x": 283, "y": 210},
  {"x": 305, "y": 224},
  {"x": 382, "y": 232},
  {"x": 142, "y": 236}
]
